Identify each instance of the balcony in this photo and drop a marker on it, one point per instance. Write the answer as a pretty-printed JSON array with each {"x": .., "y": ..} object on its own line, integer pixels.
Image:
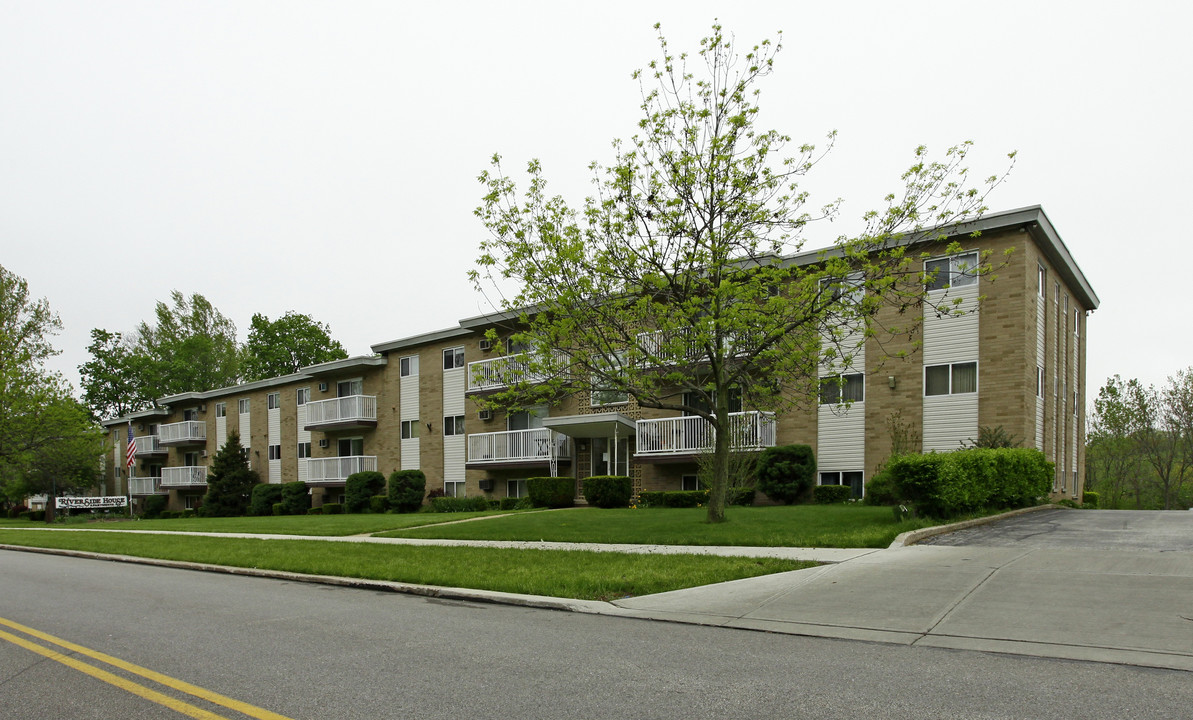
[
  {"x": 146, "y": 486},
  {"x": 342, "y": 413},
  {"x": 517, "y": 447},
  {"x": 149, "y": 445},
  {"x": 325, "y": 471},
  {"x": 692, "y": 435},
  {"x": 187, "y": 432},
  {"x": 500, "y": 372},
  {"x": 187, "y": 476},
  {"x": 680, "y": 347}
]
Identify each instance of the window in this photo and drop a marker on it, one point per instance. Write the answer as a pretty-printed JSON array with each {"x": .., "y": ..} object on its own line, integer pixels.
[
  {"x": 348, "y": 388},
  {"x": 304, "y": 450},
  {"x": 273, "y": 401},
  {"x": 698, "y": 400},
  {"x": 951, "y": 379},
  {"x": 837, "y": 389},
  {"x": 409, "y": 429},
  {"x": 408, "y": 366},
  {"x": 854, "y": 479},
  {"x": 453, "y": 489},
  {"x": 190, "y": 459},
  {"x": 1039, "y": 381},
  {"x": 1077, "y": 321},
  {"x": 453, "y": 425},
  {"x": 302, "y": 396},
  {"x": 275, "y": 452},
  {"x": 954, "y": 271},
  {"x": 453, "y": 358},
  {"x": 190, "y": 502},
  {"x": 1074, "y": 403},
  {"x": 609, "y": 397},
  {"x": 689, "y": 483},
  {"x": 527, "y": 419},
  {"x": 190, "y": 414},
  {"x": 350, "y": 447},
  {"x": 849, "y": 288},
  {"x": 244, "y": 406},
  {"x": 515, "y": 488},
  {"x": 1041, "y": 280},
  {"x": 221, "y": 410}
]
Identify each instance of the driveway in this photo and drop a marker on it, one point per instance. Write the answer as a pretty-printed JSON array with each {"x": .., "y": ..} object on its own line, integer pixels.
[{"x": 1105, "y": 586}]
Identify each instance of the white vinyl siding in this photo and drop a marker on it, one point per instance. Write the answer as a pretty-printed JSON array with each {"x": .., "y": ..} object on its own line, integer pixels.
[
  {"x": 1041, "y": 364},
  {"x": 274, "y": 420},
  {"x": 841, "y": 428},
  {"x": 408, "y": 412},
  {"x": 454, "y": 446},
  {"x": 246, "y": 428},
  {"x": 951, "y": 419},
  {"x": 221, "y": 430},
  {"x": 302, "y": 396}
]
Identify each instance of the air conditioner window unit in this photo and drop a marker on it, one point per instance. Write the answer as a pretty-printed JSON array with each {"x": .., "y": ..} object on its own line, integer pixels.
[
  {"x": 323, "y": 443},
  {"x": 486, "y": 344},
  {"x": 485, "y": 414},
  {"x": 202, "y": 453},
  {"x": 322, "y": 387}
]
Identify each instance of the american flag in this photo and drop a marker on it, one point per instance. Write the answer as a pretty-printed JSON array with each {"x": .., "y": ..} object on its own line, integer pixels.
[{"x": 130, "y": 452}]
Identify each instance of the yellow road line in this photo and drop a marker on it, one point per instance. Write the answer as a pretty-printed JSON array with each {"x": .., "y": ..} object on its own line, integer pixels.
[{"x": 181, "y": 686}]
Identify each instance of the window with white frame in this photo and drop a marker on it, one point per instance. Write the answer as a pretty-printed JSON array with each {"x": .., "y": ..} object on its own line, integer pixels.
[
  {"x": 1039, "y": 381},
  {"x": 1077, "y": 321},
  {"x": 190, "y": 414},
  {"x": 221, "y": 410},
  {"x": 302, "y": 396},
  {"x": 689, "y": 483},
  {"x": 515, "y": 488},
  {"x": 453, "y": 488},
  {"x": 275, "y": 452},
  {"x": 190, "y": 502},
  {"x": 849, "y": 289},
  {"x": 1074, "y": 403},
  {"x": 453, "y": 425},
  {"x": 408, "y": 366},
  {"x": 348, "y": 388},
  {"x": 1041, "y": 280},
  {"x": 409, "y": 429},
  {"x": 243, "y": 405},
  {"x": 953, "y": 271},
  {"x": 273, "y": 401},
  {"x": 852, "y": 478},
  {"x": 695, "y": 399},
  {"x": 951, "y": 379},
  {"x": 453, "y": 358},
  {"x": 846, "y": 388},
  {"x": 608, "y": 397},
  {"x": 304, "y": 450}
]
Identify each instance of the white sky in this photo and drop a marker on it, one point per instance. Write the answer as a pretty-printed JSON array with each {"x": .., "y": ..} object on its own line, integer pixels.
[{"x": 322, "y": 156}]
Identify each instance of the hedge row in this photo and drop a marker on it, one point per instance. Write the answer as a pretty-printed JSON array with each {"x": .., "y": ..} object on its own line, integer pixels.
[
  {"x": 947, "y": 484},
  {"x": 608, "y": 491},
  {"x": 551, "y": 492},
  {"x": 831, "y": 494}
]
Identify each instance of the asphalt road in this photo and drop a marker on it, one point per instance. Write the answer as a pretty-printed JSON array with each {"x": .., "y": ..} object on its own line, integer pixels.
[
  {"x": 1128, "y": 530},
  {"x": 310, "y": 651}
]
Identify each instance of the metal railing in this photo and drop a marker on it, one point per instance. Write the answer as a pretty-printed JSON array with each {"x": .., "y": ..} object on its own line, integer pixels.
[
  {"x": 360, "y": 408},
  {"x": 187, "y": 476},
  {"x": 149, "y": 445},
  {"x": 181, "y": 432},
  {"x": 337, "y": 469},
  {"x": 499, "y": 372},
  {"x": 753, "y": 430},
  {"x": 146, "y": 486},
  {"x": 516, "y": 445}
]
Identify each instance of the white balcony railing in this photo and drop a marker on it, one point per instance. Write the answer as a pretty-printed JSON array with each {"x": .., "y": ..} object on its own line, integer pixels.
[
  {"x": 347, "y": 409},
  {"x": 499, "y": 372},
  {"x": 337, "y": 469},
  {"x": 517, "y": 445},
  {"x": 146, "y": 486},
  {"x": 149, "y": 445},
  {"x": 187, "y": 431},
  {"x": 751, "y": 430},
  {"x": 187, "y": 476},
  {"x": 680, "y": 347}
]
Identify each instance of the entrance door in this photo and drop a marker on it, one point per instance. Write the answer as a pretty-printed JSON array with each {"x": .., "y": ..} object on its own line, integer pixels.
[{"x": 605, "y": 461}]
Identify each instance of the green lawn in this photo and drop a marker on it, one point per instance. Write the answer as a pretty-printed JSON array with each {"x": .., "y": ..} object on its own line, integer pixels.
[
  {"x": 326, "y": 525},
  {"x": 570, "y": 574},
  {"x": 843, "y": 526}
]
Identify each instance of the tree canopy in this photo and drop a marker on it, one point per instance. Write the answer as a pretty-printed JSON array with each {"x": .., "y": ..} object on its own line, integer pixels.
[
  {"x": 674, "y": 285},
  {"x": 283, "y": 346}
]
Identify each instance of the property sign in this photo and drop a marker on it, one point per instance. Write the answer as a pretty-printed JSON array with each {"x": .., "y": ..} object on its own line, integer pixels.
[{"x": 91, "y": 503}]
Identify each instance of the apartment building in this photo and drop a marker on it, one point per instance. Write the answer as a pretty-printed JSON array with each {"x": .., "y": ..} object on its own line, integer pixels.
[{"x": 1015, "y": 360}]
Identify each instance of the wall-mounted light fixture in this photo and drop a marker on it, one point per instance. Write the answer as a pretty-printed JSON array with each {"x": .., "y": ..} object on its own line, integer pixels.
[{"x": 890, "y": 381}]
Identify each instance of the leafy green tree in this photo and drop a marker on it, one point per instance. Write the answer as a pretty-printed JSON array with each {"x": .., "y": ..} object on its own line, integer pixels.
[
  {"x": 112, "y": 383},
  {"x": 192, "y": 347},
  {"x": 283, "y": 346},
  {"x": 674, "y": 287},
  {"x": 230, "y": 482}
]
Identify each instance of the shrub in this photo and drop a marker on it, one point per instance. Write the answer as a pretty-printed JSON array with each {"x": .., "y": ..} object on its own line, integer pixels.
[
  {"x": 947, "y": 484},
  {"x": 315, "y": 511},
  {"x": 230, "y": 481},
  {"x": 463, "y": 504},
  {"x": 15, "y": 511},
  {"x": 25, "y": 515},
  {"x": 608, "y": 491},
  {"x": 37, "y": 515},
  {"x": 524, "y": 504},
  {"x": 551, "y": 492},
  {"x": 831, "y": 494},
  {"x": 278, "y": 508},
  {"x": 674, "y": 499},
  {"x": 1068, "y": 502},
  {"x": 296, "y": 499},
  {"x": 786, "y": 472},
  {"x": 379, "y": 503},
  {"x": 437, "y": 492},
  {"x": 359, "y": 487},
  {"x": 263, "y": 498},
  {"x": 881, "y": 490},
  {"x": 740, "y": 496},
  {"x": 333, "y": 509},
  {"x": 406, "y": 490},
  {"x": 650, "y": 498},
  {"x": 153, "y": 506},
  {"x": 1089, "y": 499},
  {"x": 509, "y": 503},
  {"x": 189, "y": 513}
]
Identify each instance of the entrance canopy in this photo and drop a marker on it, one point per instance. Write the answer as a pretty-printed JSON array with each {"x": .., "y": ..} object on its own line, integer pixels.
[{"x": 597, "y": 425}]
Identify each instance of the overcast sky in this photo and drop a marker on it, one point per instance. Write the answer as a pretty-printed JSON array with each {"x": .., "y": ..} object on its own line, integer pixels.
[{"x": 322, "y": 157}]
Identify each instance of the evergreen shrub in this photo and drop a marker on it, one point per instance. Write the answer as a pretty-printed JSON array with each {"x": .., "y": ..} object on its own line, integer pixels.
[
  {"x": 333, "y": 509},
  {"x": 153, "y": 506},
  {"x": 942, "y": 485},
  {"x": 831, "y": 494},
  {"x": 459, "y": 504},
  {"x": 608, "y": 491},
  {"x": 786, "y": 472},
  {"x": 296, "y": 499},
  {"x": 406, "y": 490},
  {"x": 278, "y": 508},
  {"x": 551, "y": 492},
  {"x": 359, "y": 487},
  {"x": 379, "y": 504},
  {"x": 1089, "y": 499},
  {"x": 263, "y": 497},
  {"x": 230, "y": 482}
]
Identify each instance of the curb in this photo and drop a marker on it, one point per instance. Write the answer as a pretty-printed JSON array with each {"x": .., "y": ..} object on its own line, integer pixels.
[{"x": 911, "y": 537}]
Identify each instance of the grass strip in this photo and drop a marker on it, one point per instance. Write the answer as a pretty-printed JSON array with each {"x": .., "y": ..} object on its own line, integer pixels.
[
  {"x": 828, "y": 526},
  {"x": 325, "y": 525},
  {"x": 576, "y": 574}
]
